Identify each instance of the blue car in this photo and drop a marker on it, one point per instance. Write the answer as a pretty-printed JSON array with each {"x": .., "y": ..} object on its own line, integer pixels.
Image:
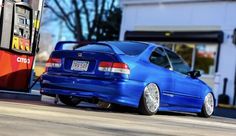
[{"x": 145, "y": 76}]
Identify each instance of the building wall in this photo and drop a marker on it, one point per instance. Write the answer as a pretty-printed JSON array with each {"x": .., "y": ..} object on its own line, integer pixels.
[{"x": 177, "y": 15}]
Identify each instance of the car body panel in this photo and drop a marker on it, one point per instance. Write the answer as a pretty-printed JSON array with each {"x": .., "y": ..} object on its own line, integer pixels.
[{"x": 124, "y": 92}]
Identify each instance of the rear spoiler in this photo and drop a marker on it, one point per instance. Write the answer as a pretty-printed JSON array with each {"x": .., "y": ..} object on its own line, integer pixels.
[{"x": 59, "y": 45}]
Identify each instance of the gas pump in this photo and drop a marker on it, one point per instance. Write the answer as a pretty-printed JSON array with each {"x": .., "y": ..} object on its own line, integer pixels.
[
  {"x": 19, "y": 36},
  {"x": 22, "y": 29}
]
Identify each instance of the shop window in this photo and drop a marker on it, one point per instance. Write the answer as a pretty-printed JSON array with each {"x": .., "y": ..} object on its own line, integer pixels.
[
  {"x": 206, "y": 58},
  {"x": 200, "y": 57}
]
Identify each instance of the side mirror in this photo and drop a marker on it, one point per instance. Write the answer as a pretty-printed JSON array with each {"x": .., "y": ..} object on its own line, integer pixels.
[{"x": 194, "y": 74}]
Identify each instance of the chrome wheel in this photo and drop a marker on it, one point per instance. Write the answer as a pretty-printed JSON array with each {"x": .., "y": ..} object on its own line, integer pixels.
[
  {"x": 209, "y": 104},
  {"x": 152, "y": 97}
]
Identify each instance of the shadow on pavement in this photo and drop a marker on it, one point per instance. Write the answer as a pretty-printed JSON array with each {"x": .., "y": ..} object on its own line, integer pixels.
[
  {"x": 123, "y": 110},
  {"x": 227, "y": 113}
]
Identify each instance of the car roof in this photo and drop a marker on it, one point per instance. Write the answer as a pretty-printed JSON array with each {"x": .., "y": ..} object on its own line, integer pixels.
[
  {"x": 131, "y": 42},
  {"x": 124, "y": 42},
  {"x": 136, "y": 42}
]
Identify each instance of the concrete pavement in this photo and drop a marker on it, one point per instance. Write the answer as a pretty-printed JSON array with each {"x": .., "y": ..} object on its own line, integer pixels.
[{"x": 20, "y": 118}]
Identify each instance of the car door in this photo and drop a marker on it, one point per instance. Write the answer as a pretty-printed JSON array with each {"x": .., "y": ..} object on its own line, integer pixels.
[
  {"x": 162, "y": 74},
  {"x": 186, "y": 92}
]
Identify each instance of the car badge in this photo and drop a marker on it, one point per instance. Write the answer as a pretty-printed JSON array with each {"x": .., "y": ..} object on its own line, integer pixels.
[{"x": 80, "y": 54}]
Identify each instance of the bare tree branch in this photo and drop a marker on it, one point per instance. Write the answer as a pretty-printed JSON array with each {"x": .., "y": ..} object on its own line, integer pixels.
[
  {"x": 101, "y": 14},
  {"x": 78, "y": 24},
  {"x": 62, "y": 10},
  {"x": 87, "y": 15},
  {"x": 111, "y": 6},
  {"x": 61, "y": 17}
]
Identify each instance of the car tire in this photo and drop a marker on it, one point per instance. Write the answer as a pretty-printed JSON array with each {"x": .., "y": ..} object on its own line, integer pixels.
[
  {"x": 150, "y": 101},
  {"x": 69, "y": 100},
  {"x": 208, "y": 106}
]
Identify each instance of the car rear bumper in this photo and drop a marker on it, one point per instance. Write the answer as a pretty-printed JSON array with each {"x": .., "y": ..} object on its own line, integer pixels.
[{"x": 124, "y": 92}]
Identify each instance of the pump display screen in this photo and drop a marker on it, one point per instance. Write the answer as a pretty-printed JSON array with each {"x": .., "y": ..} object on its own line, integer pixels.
[{"x": 20, "y": 10}]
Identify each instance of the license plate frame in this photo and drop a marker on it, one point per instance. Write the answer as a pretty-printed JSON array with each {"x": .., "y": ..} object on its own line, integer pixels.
[{"x": 78, "y": 65}]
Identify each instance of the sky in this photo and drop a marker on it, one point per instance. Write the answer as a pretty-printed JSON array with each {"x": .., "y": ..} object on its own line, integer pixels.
[{"x": 57, "y": 29}]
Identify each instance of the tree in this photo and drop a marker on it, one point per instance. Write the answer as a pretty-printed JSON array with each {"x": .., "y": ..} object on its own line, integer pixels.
[
  {"x": 111, "y": 26},
  {"x": 88, "y": 19}
]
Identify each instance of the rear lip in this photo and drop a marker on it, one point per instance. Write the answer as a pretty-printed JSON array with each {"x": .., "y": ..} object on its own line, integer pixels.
[{"x": 87, "y": 76}]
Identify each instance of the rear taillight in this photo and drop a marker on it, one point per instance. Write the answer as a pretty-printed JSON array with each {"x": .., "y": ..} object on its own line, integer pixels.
[
  {"x": 53, "y": 63},
  {"x": 114, "y": 67}
]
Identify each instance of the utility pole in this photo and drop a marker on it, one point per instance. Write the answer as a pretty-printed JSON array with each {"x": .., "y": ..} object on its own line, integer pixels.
[{"x": 234, "y": 101}]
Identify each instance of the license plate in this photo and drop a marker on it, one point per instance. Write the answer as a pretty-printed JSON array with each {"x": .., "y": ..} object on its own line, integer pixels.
[{"x": 80, "y": 65}]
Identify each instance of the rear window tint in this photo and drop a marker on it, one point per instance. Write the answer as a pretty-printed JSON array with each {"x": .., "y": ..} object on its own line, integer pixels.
[
  {"x": 96, "y": 48},
  {"x": 131, "y": 48}
]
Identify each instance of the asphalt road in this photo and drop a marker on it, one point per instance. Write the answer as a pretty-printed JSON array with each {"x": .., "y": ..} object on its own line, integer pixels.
[{"x": 19, "y": 118}]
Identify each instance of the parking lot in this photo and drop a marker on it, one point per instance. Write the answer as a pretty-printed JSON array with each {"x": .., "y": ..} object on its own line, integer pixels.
[{"x": 21, "y": 118}]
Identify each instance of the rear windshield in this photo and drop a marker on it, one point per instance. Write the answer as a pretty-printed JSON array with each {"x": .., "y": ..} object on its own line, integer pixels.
[
  {"x": 130, "y": 48},
  {"x": 96, "y": 48}
]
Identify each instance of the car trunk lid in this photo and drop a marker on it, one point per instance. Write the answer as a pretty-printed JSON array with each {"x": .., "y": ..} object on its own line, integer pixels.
[{"x": 87, "y": 64}]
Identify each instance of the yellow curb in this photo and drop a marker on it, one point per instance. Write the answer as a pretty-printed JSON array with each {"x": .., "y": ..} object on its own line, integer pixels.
[{"x": 226, "y": 106}]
